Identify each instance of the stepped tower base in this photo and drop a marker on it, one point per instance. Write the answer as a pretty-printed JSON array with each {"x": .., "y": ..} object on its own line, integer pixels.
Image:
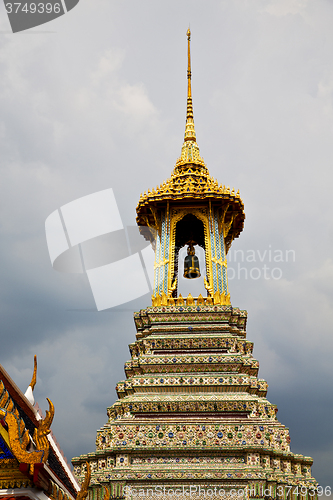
[{"x": 192, "y": 419}]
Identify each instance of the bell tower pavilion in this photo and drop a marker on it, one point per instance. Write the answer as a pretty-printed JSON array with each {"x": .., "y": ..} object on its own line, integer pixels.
[{"x": 191, "y": 209}]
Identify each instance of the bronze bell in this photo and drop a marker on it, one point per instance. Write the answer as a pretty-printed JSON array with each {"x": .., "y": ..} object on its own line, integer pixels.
[{"x": 191, "y": 264}]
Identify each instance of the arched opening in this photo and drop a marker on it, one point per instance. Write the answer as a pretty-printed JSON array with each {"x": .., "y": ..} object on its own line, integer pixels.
[{"x": 189, "y": 229}]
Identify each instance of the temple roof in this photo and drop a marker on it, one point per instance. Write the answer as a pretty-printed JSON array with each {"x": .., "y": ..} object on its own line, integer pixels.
[{"x": 29, "y": 454}]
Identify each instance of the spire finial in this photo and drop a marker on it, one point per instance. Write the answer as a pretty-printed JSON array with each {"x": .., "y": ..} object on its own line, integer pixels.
[
  {"x": 189, "y": 127},
  {"x": 189, "y": 93},
  {"x": 190, "y": 150}
]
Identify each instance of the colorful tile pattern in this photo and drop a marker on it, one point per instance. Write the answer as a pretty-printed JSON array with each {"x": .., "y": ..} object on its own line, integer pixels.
[{"x": 192, "y": 408}]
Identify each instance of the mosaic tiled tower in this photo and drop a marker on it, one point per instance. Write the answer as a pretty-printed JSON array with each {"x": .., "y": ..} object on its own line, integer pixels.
[{"x": 192, "y": 416}]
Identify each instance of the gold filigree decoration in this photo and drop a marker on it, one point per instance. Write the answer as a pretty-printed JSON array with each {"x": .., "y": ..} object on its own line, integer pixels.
[
  {"x": 6, "y": 401},
  {"x": 83, "y": 493},
  {"x": 227, "y": 226},
  {"x": 189, "y": 182},
  {"x": 41, "y": 432},
  {"x": 15, "y": 480},
  {"x": 217, "y": 298},
  {"x": 157, "y": 220},
  {"x": 160, "y": 263},
  {"x": 220, "y": 261},
  {"x": 209, "y": 288},
  {"x": 19, "y": 438},
  {"x": 173, "y": 287},
  {"x": 9, "y": 463},
  {"x": 221, "y": 219},
  {"x": 57, "y": 493}
]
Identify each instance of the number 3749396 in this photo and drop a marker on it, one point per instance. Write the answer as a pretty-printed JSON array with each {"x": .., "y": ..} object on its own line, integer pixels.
[
  {"x": 303, "y": 490},
  {"x": 33, "y": 8}
]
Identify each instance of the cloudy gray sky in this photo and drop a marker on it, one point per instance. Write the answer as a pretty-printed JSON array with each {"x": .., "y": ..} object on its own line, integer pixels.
[{"x": 96, "y": 99}]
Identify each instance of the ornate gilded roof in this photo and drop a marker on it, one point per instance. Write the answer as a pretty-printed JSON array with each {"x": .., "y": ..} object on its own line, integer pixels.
[
  {"x": 190, "y": 179},
  {"x": 29, "y": 456}
]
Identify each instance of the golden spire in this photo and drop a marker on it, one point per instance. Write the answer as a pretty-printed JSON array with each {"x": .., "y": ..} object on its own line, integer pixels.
[
  {"x": 190, "y": 150},
  {"x": 189, "y": 127}
]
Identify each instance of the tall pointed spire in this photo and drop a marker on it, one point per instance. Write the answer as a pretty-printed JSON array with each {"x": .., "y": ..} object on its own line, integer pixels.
[
  {"x": 190, "y": 150},
  {"x": 189, "y": 127}
]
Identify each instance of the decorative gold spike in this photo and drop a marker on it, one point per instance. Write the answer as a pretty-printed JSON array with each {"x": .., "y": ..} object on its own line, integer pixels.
[
  {"x": 180, "y": 300},
  {"x": 164, "y": 300},
  {"x": 209, "y": 301},
  {"x": 158, "y": 300},
  {"x": 190, "y": 300},
  {"x": 233, "y": 191},
  {"x": 41, "y": 432},
  {"x": 200, "y": 300},
  {"x": 83, "y": 493},
  {"x": 225, "y": 299},
  {"x": 34, "y": 376},
  {"x": 171, "y": 301},
  {"x": 217, "y": 298}
]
